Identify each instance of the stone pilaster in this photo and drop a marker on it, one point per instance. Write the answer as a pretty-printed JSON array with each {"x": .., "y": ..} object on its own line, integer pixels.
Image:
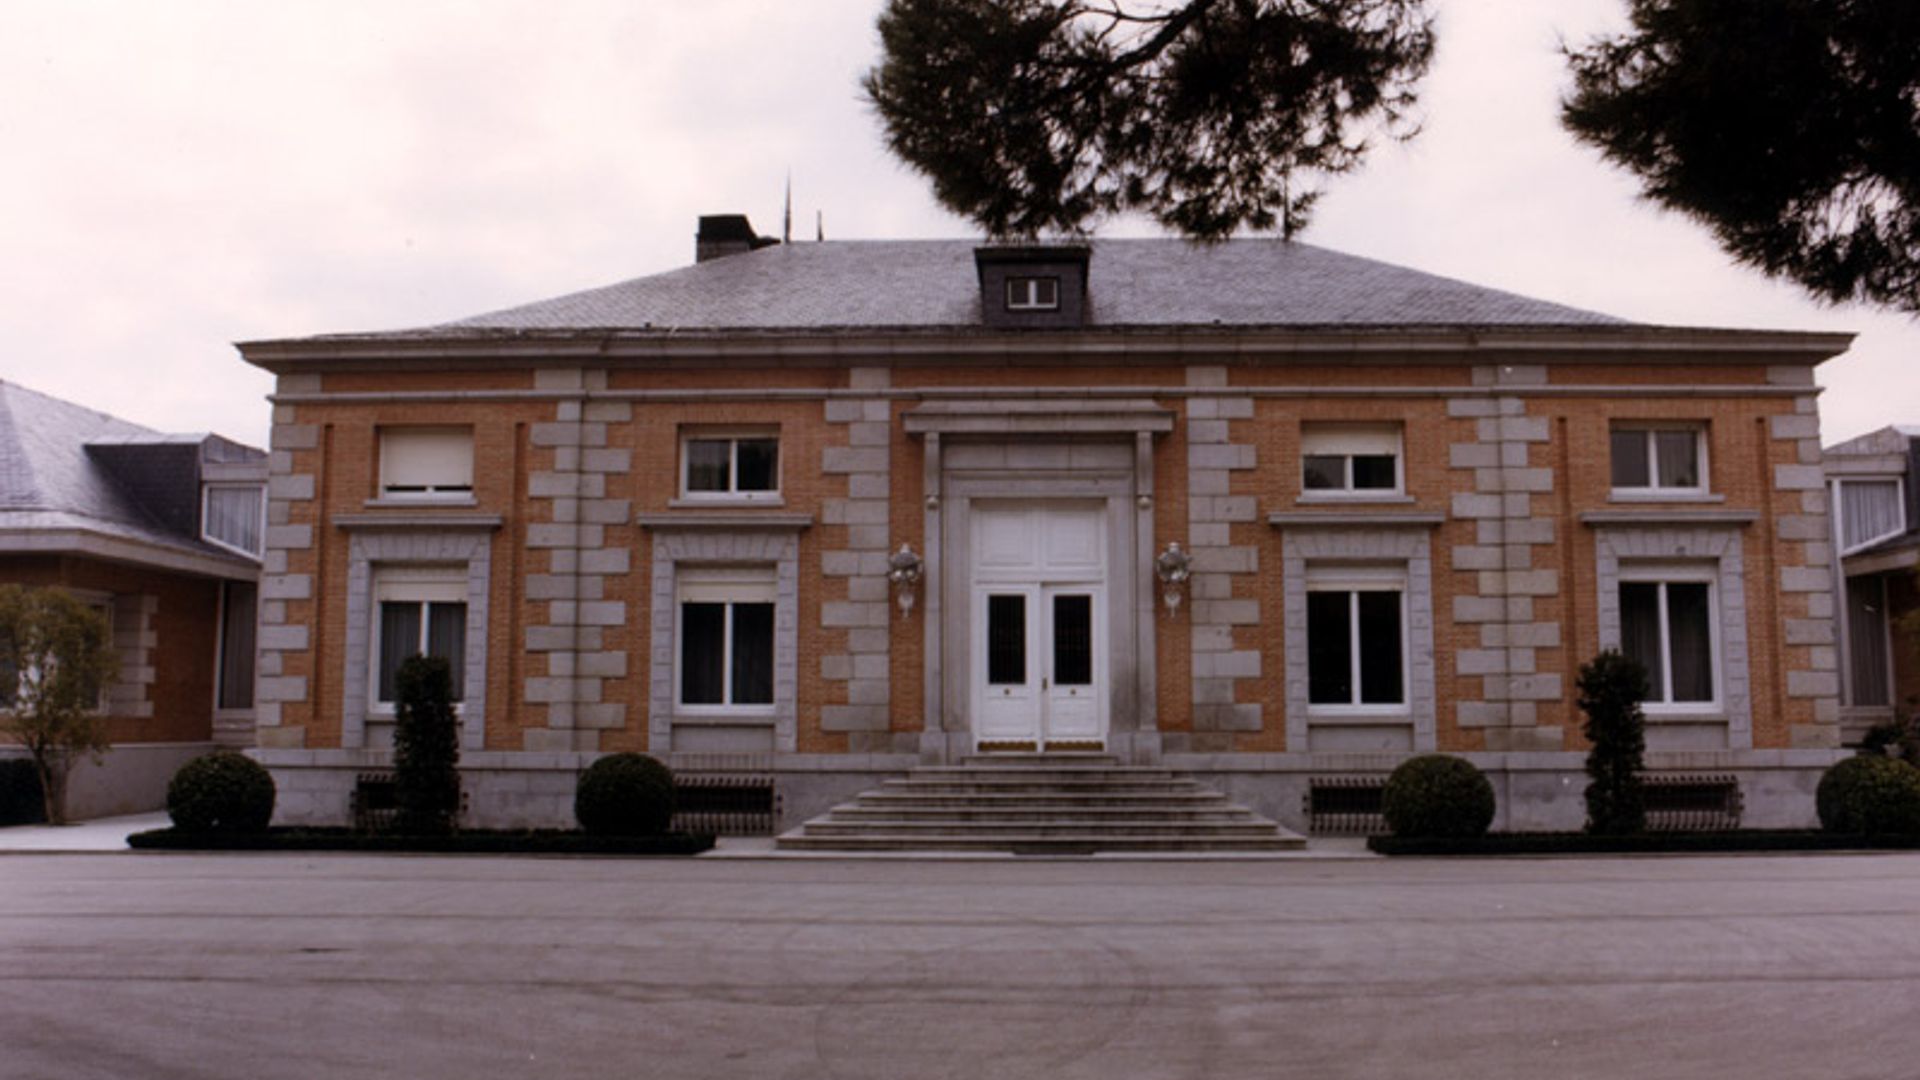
[
  {"x": 286, "y": 544},
  {"x": 579, "y": 564},
  {"x": 1811, "y": 658},
  {"x": 1510, "y": 563},
  {"x": 1221, "y": 662},
  {"x": 862, "y": 666}
]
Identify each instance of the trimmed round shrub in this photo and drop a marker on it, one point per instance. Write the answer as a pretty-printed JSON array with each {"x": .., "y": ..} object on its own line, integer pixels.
[
  {"x": 1870, "y": 795},
  {"x": 624, "y": 795},
  {"x": 1437, "y": 795},
  {"x": 221, "y": 792}
]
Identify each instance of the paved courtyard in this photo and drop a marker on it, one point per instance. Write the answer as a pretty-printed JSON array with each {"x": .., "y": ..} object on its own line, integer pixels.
[{"x": 254, "y": 966}]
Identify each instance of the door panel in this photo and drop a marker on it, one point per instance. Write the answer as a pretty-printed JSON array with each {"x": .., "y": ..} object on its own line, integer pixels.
[
  {"x": 1006, "y": 688},
  {"x": 1072, "y": 699}
]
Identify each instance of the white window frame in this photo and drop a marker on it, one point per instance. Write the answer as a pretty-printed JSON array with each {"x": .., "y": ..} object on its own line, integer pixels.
[
  {"x": 1653, "y": 489},
  {"x": 1664, "y": 574},
  {"x": 1024, "y": 292},
  {"x": 260, "y": 525},
  {"x": 390, "y": 436},
  {"x": 733, "y": 437},
  {"x": 1348, "y": 440},
  {"x": 404, "y": 584},
  {"x": 1354, "y": 580},
  {"x": 1840, "y": 510},
  {"x": 728, "y": 585}
]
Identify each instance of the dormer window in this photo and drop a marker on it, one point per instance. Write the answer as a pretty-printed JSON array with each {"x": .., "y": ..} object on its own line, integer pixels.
[
  {"x": 1033, "y": 293},
  {"x": 233, "y": 516}
]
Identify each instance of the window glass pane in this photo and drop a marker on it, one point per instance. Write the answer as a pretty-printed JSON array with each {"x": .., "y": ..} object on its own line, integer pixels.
[
  {"x": 1007, "y": 640},
  {"x": 9, "y": 684},
  {"x": 236, "y": 645},
  {"x": 1640, "y": 630},
  {"x": 702, "y": 654},
  {"x": 758, "y": 465},
  {"x": 752, "y": 654},
  {"x": 1325, "y": 472},
  {"x": 399, "y": 639},
  {"x": 707, "y": 464},
  {"x": 1046, "y": 292},
  {"x": 1380, "y": 676},
  {"x": 1690, "y": 639},
  {"x": 1329, "y": 649},
  {"x": 1679, "y": 453},
  {"x": 447, "y": 639},
  {"x": 1073, "y": 640},
  {"x": 1869, "y": 510},
  {"x": 1373, "y": 472},
  {"x": 233, "y": 517},
  {"x": 1630, "y": 466},
  {"x": 1867, "y": 635}
]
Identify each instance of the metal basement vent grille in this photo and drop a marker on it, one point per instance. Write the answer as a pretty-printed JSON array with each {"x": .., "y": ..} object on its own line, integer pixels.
[{"x": 1345, "y": 805}]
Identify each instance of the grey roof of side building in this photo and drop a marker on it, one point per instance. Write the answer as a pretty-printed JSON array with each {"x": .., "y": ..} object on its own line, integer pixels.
[
  {"x": 932, "y": 285},
  {"x": 49, "y": 483}
]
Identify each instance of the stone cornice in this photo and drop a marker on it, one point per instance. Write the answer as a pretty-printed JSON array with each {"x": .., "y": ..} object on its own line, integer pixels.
[{"x": 463, "y": 521}]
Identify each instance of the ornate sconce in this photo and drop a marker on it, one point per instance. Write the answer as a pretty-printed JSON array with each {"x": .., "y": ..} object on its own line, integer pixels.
[
  {"x": 1173, "y": 567},
  {"x": 904, "y": 570}
]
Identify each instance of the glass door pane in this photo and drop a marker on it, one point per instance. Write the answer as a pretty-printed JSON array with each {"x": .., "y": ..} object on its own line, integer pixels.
[
  {"x": 1073, "y": 640},
  {"x": 1006, "y": 639}
]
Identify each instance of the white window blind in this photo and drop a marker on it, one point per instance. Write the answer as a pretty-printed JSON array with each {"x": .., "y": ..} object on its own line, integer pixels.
[
  {"x": 1350, "y": 439},
  {"x": 426, "y": 461}
]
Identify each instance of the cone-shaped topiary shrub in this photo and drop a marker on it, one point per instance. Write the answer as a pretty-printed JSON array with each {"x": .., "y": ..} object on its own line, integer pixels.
[
  {"x": 1612, "y": 685},
  {"x": 221, "y": 792},
  {"x": 426, "y": 747},
  {"x": 624, "y": 795},
  {"x": 1870, "y": 795},
  {"x": 1437, "y": 795}
]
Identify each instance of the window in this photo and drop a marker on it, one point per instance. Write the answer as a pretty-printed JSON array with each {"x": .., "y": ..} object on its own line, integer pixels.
[
  {"x": 419, "y": 611},
  {"x": 1350, "y": 459},
  {"x": 719, "y": 465},
  {"x": 1669, "y": 622},
  {"x": 1660, "y": 459},
  {"x": 237, "y": 604},
  {"x": 234, "y": 516},
  {"x": 13, "y": 677},
  {"x": 1870, "y": 511},
  {"x": 426, "y": 463},
  {"x": 1033, "y": 294},
  {"x": 726, "y": 637},
  {"x": 1356, "y": 638}
]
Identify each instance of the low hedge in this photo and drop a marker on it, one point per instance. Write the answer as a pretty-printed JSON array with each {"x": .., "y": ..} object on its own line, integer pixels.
[
  {"x": 624, "y": 794},
  {"x": 1437, "y": 795},
  {"x": 465, "y": 842},
  {"x": 1581, "y": 843},
  {"x": 20, "y": 800},
  {"x": 1870, "y": 793},
  {"x": 221, "y": 792}
]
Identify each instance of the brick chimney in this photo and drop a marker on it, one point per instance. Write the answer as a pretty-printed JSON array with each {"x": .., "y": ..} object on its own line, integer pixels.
[{"x": 726, "y": 234}]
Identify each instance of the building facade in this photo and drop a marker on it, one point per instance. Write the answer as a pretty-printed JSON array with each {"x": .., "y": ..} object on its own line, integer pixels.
[
  {"x": 1877, "y": 534},
  {"x": 1258, "y": 510},
  {"x": 163, "y": 533}
]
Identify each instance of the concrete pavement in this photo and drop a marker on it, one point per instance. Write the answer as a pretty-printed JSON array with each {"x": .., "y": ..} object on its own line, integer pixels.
[{"x": 325, "y": 966}]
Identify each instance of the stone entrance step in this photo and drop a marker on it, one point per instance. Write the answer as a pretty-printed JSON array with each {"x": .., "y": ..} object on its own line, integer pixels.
[{"x": 1041, "y": 803}]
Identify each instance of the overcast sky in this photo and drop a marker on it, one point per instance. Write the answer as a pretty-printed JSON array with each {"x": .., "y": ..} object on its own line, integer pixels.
[{"x": 182, "y": 175}]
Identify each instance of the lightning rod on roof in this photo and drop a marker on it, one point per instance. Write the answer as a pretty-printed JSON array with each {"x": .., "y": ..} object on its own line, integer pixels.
[
  {"x": 819, "y": 225},
  {"x": 786, "y": 221}
]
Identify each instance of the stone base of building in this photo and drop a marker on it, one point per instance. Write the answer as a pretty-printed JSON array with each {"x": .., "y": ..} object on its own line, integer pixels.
[{"x": 1535, "y": 792}]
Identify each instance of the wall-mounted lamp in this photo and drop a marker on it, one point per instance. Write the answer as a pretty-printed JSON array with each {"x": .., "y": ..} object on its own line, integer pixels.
[
  {"x": 904, "y": 570},
  {"x": 1173, "y": 567}
]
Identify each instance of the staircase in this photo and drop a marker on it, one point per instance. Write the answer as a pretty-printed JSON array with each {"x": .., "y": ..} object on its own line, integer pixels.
[{"x": 1055, "y": 803}]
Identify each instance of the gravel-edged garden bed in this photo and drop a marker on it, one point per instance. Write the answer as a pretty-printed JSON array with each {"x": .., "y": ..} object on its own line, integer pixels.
[
  {"x": 465, "y": 842},
  {"x": 1645, "y": 843}
]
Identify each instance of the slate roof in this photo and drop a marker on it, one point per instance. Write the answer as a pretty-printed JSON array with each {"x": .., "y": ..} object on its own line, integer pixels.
[
  {"x": 49, "y": 483},
  {"x": 932, "y": 285}
]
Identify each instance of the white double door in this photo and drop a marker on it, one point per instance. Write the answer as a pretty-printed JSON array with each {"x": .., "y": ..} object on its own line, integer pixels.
[{"x": 1039, "y": 623}]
